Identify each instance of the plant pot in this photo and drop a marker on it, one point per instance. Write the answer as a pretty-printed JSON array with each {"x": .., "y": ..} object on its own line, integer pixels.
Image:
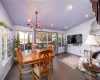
[{"x": 15, "y": 60}]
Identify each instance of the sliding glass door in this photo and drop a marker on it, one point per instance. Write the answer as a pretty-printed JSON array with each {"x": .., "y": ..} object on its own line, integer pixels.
[
  {"x": 25, "y": 39},
  {"x": 45, "y": 38}
]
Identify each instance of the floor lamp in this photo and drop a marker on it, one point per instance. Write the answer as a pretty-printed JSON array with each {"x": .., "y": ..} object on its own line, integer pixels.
[{"x": 91, "y": 41}]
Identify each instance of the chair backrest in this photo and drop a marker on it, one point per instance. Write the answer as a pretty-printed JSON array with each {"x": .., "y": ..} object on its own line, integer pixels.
[
  {"x": 34, "y": 47},
  {"x": 19, "y": 55},
  {"x": 51, "y": 46},
  {"x": 45, "y": 58}
]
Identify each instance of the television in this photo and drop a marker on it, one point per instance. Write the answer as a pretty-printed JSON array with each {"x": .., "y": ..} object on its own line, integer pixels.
[{"x": 74, "y": 39}]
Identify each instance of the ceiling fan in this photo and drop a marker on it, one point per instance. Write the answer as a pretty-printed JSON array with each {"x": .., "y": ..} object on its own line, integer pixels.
[{"x": 37, "y": 25}]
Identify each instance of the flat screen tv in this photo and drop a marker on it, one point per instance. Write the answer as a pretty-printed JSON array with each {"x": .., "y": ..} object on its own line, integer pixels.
[{"x": 74, "y": 39}]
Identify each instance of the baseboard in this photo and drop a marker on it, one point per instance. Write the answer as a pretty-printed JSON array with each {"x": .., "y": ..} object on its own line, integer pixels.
[{"x": 8, "y": 69}]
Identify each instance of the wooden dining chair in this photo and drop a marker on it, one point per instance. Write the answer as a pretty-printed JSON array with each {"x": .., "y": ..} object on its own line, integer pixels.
[
  {"x": 34, "y": 47},
  {"x": 42, "y": 67},
  {"x": 51, "y": 46},
  {"x": 23, "y": 69}
]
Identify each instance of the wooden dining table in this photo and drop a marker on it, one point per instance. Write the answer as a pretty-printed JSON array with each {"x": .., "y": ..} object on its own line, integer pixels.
[{"x": 33, "y": 57}]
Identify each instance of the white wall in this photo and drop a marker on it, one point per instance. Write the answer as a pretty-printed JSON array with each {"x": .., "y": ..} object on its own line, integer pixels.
[
  {"x": 4, "y": 69},
  {"x": 84, "y": 30}
]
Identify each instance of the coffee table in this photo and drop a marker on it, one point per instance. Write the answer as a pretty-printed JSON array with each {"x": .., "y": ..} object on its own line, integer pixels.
[{"x": 91, "y": 71}]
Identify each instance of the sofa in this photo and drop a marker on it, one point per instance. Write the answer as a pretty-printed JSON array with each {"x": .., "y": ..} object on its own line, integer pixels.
[{"x": 85, "y": 59}]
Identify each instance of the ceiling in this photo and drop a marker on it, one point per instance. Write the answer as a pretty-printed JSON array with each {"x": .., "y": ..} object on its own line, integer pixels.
[{"x": 53, "y": 14}]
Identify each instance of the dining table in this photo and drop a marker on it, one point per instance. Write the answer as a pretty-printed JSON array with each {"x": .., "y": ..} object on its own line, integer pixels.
[{"x": 33, "y": 57}]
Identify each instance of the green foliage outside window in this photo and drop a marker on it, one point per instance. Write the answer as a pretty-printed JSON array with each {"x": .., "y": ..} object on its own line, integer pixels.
[{"x": 2, "y": 23}]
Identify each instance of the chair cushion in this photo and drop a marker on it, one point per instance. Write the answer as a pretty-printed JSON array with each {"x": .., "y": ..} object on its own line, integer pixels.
[
  {"x": 26, "y": 70},
  {"x": 26, "y": 67},
  {"x": 37, "y": 71}
]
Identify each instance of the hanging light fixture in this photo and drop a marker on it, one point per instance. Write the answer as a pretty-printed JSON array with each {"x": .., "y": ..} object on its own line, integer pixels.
[{"x": 37, "y": 25}]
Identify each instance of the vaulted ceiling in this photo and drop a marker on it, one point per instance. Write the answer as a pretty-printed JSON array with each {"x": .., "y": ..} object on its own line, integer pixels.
[{"x": 53, "y": 14}]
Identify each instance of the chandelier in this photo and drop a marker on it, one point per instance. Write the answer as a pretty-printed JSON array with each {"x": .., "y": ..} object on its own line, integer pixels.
[{"x": 37, "y": 25}]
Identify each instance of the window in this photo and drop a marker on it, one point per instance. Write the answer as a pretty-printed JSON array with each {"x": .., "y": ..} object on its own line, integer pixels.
[
  {"x": 41, "y": 37},
  {"x": 25, "y": 39},
  {"x": 52, "y": 38},
  {"x": 61, "y": 41},
  {"x": 6, "y": 45}
]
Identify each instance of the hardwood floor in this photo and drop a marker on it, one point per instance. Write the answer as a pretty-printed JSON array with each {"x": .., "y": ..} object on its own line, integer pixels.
[{"x": 61, "y": 71}]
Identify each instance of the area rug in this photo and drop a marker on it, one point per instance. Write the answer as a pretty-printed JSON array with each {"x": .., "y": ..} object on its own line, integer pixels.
[{"x": 71, "y": 61}]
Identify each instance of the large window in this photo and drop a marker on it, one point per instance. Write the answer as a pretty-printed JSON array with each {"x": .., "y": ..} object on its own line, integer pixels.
[
  {"x": 6, "y": 44},
  {"x": 41, "y": 37},
  {"x": 52, "y": 38},
  {"x": 61, "y": 40},
  {"x": 25, "y": 39},
  {"x": 44, "y": 38}
]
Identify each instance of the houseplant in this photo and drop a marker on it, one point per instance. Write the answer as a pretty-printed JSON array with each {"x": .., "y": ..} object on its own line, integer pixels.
[{"x": 15, "y": 44}]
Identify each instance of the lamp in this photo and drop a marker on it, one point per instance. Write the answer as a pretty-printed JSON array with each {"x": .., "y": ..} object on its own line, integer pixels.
[{"x": 91, "y": 41}]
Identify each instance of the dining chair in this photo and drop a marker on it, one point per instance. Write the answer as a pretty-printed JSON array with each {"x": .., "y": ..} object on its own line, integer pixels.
[
  {"x": 51, "y": 46},
  {"x": 24, "y": 71},
  {"x": 42, "y": 67},
  {"x": 34, "y": 47}
]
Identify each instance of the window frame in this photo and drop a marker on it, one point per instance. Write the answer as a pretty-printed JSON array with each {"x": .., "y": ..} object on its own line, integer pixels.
[{"x": 7, "y": 37}]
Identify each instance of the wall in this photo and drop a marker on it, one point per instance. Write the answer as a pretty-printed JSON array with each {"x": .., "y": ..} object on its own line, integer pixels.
[
  {"x": 84, "y": 30},
  {"x": 27, "y": 28},
  {"x": 4, "y": 68}
]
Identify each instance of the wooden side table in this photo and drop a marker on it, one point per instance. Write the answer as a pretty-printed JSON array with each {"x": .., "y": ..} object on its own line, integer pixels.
[{"x": 91, "y": 71}]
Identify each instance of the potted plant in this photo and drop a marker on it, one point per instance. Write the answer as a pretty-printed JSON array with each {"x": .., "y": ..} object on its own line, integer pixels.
[{"x": 15, "y": 44}]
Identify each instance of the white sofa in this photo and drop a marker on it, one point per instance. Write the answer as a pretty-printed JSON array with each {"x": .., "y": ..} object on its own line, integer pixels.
[{"x": 85, "y": 59}]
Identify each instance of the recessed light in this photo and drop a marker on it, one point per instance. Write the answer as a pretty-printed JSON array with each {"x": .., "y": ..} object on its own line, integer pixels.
[
  {"x": 70, "y": 7},
  {"x": 51, "y": 25},
  {"x": 86, "y": 15},
  {"x": 29, "y": 20},
  {"x": 66, "y": 27}
]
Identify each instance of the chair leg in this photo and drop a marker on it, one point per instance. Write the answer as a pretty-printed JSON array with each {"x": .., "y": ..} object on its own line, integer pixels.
[
  {"x": 19, "y": 66},
  {"x": 49, "y": 74},
  {"x": 20, "y": 77},
  {"x": 33, "y": 78},
  {"x": 52, "y": 68}
]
